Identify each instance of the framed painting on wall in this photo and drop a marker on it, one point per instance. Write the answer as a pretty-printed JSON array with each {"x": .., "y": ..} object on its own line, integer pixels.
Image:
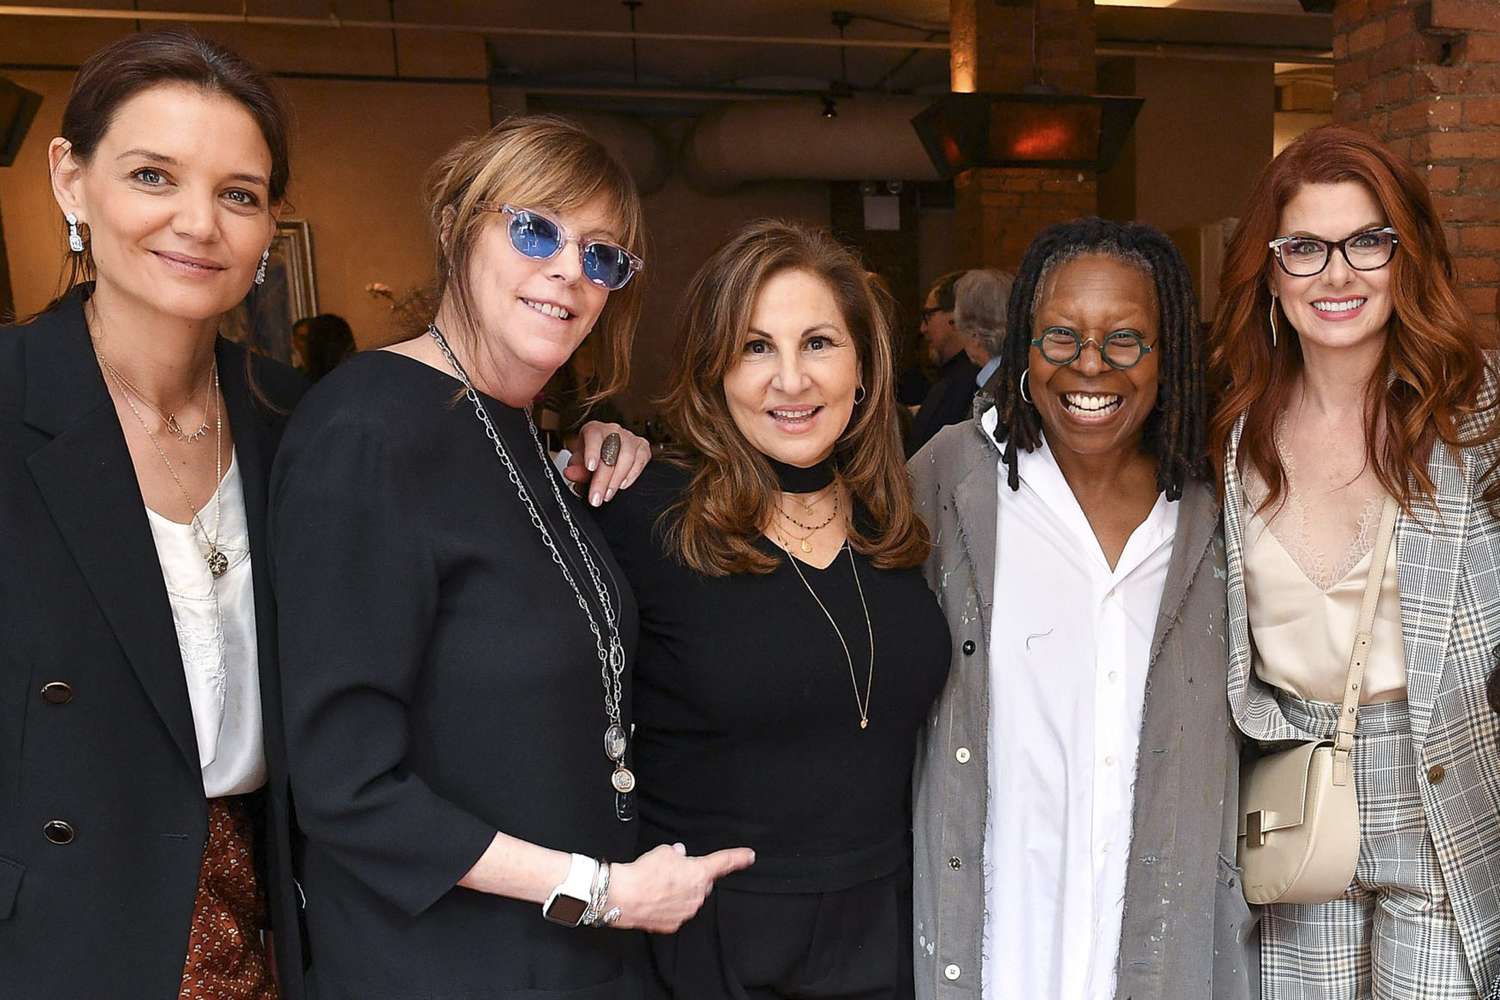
[{"x": 263, "y": 322}]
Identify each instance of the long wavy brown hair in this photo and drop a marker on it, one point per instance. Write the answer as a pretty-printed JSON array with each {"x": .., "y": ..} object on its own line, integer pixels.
[
  {"x": 715, "y": 527},
  {"x": 1432, "y": 368}
]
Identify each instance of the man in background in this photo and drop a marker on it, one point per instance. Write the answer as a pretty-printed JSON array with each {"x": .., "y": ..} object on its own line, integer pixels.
[{"x": 952, "y": 396}]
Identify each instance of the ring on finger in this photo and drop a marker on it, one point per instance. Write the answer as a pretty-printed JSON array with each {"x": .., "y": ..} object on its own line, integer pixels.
[
  {"x": 609, "y": 451},
  {"x": 610, "y": 917}
]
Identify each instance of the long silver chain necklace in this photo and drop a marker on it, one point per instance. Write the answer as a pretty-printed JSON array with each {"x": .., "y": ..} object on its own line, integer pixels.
[
  {"x": 612, "y": 658},
  {"x": 168, "y": 420},
  {"x": 217, "y": 561},
  {"x": 862, "y": 705}
]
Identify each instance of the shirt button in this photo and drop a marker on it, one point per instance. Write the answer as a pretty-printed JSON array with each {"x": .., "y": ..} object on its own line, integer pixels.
[
  {"x": 955, "y": 863},
  {"x": 961, "y": 755},
  {"x": 968, "y": 647},
  {"x": 1109, "y": 760},
  {"x": 951, "y": 972},
  {"x": 1114, "y": 675},
  {"x": 1436, "y": 773}
]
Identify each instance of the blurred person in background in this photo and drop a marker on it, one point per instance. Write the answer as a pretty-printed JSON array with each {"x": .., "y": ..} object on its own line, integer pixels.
[
  {"x": 981, "y": 299},
  {"x": 319, "y": 343},
  {"x": 951, "y": 398}
]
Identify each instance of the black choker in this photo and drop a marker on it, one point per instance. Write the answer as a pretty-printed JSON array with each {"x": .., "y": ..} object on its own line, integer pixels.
[{"x": 798, "y": 480}]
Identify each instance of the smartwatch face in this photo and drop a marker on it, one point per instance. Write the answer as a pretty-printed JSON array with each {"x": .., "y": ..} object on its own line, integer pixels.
[{"x": 566, "y": 909}]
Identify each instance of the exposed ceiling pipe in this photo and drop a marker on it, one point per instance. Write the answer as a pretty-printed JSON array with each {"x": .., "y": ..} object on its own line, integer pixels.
[
  {"x": 1106, "y": 47},
  {"x": 869, "y": 138},
  {"x": 334, "y": 21},
  {"x": 1215, "y": 53}
]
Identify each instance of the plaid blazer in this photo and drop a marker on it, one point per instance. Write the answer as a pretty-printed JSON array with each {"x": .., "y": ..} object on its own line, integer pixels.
[{"x": 1448, "y": 577}]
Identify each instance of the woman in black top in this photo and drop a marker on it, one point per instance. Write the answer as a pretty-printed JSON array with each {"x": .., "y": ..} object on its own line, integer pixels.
[
  {"x": 456, "y": 637},
  {"x": 789, "y": 647}
]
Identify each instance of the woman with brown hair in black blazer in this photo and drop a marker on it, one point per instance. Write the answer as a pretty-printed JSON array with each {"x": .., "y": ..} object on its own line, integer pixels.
[{"x": 143, "y": 808}]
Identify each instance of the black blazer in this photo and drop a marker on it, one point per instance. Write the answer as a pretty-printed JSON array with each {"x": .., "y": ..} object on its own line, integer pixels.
[{"x": 112, "y": 755}]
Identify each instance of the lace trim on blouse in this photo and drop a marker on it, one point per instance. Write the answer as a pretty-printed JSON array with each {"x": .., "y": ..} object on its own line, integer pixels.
[{"x": 1328, "y": 550}]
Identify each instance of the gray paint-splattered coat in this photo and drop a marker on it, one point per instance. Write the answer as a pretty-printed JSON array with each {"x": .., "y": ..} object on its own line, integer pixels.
[{"x": 1187, "y": 932}]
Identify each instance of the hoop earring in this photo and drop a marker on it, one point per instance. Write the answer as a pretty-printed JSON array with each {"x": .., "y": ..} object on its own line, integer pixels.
[
  {"x": 75, "y": 238},
  {"x": 859, "y": 394},
  {"x": 260, "y": 272},
  {"x": 1025, "y": 372},
  {"x": 1273, "y": 319}
]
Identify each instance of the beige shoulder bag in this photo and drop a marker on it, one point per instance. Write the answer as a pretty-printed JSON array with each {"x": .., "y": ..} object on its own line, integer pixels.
[{"x": 1299, "y": 816}]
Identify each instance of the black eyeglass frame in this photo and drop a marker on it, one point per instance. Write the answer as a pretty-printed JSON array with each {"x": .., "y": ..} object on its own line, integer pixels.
[
  {"x": 1079, "y": 343},
  {"x": 1329, "y": 246},
  {"x": 563, "y": 239},
  {"x": 930, "y": 311}
]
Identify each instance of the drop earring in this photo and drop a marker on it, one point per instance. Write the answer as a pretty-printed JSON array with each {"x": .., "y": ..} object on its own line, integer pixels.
[
  {"x": 859, "y": 394},
  {"x": 1273, "y": 319},
  {"x": 75, "y": 238},
  {"x": 1025, "y": 372},
  {"x": 260, "y": 272}
]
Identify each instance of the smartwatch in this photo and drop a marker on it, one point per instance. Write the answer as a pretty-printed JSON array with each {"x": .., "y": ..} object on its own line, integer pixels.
[{"x": 569, "y": 902}]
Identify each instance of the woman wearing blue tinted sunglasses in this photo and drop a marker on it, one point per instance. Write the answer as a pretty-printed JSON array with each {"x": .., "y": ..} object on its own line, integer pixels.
[{"x": 458, "y": 637}]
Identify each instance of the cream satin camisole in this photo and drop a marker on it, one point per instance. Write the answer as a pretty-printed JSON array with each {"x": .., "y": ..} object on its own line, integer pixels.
[
  {"x": 1306, "y": 566},
  {"x": 1303, "y": 634}
]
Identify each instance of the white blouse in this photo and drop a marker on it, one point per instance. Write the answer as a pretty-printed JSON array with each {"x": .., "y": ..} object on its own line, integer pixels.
[
  {"x": 215, "y": 622},
  {"x": 1069, "y": 652}
]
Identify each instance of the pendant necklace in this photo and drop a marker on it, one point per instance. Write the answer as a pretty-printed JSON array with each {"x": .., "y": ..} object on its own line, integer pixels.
[
  {"x": 862, "y": 705},
  {"x": 811, "y": 529},
  {"x": 168, "y": 420},
  {"x": 610, "y": 651},
  {"x": 218, "y": 562}
]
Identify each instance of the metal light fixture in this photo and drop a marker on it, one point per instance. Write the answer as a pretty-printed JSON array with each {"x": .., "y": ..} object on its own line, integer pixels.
[{"x": 1059, "y": 131}]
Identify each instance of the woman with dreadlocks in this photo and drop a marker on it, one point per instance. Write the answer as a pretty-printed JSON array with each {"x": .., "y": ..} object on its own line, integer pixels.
[{"x": 1077, "y": 557}]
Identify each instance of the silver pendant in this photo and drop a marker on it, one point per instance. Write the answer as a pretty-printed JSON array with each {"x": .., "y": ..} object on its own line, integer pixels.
[
  {"x": 614, "y": 743},
  {"x": 218, "y": 562},
  {"x": 623, "y": 780}
]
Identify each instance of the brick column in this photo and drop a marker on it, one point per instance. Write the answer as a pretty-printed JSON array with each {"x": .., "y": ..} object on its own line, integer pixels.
[
  {"x": 1424, "y": 76},
  {"x": 1000, "y": 210}
]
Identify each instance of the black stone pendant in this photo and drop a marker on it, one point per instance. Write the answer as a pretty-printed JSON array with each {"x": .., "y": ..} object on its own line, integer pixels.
[{"x": 624, "y": 806}]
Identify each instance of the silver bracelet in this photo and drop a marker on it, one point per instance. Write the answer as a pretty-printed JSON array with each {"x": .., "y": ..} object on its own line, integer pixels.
[{"x": 600, "y": 914}]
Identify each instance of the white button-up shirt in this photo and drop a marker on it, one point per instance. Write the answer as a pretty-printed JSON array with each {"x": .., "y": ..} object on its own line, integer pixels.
[{"x": 1069, "y": 651}]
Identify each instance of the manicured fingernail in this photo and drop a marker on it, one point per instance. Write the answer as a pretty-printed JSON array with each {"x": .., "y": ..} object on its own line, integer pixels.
[
  {"x": 593, "y": 464},
  {"x": 610, "y": 493},
  {"x": 596, "y": 500}
]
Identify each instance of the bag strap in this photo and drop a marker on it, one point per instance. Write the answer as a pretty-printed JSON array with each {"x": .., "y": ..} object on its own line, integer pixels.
[{"x": 1343, "y": 742}]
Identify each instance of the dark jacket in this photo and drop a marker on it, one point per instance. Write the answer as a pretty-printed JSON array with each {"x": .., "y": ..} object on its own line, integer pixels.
[
  {"x": 949, "y": 401},
  {"x": 113, "y": 755}
]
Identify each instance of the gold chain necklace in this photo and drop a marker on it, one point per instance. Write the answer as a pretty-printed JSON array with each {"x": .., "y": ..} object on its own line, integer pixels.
[
  {"x": 863, "y": 706},
  {"x": 168, "y": 420},
  {"x": 217, "y": 561},
  {"x": 810, "y": 528}
]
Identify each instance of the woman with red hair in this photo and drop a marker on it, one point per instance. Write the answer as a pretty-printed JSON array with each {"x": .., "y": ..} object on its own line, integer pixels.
[{"x": 1357, "y": 407}]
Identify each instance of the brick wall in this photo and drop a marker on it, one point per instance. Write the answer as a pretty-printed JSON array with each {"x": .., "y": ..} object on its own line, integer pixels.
[
  {"x": 1014, "y": 206},
  {"x": 1424, "y": 75}
]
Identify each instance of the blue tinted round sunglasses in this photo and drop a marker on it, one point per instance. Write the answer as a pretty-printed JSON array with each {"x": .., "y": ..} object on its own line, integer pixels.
[{"x": 534, "y": 235}]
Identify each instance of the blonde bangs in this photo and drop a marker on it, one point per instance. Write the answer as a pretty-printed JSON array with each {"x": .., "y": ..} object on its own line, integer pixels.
[{"x": 548, "y": 164}]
